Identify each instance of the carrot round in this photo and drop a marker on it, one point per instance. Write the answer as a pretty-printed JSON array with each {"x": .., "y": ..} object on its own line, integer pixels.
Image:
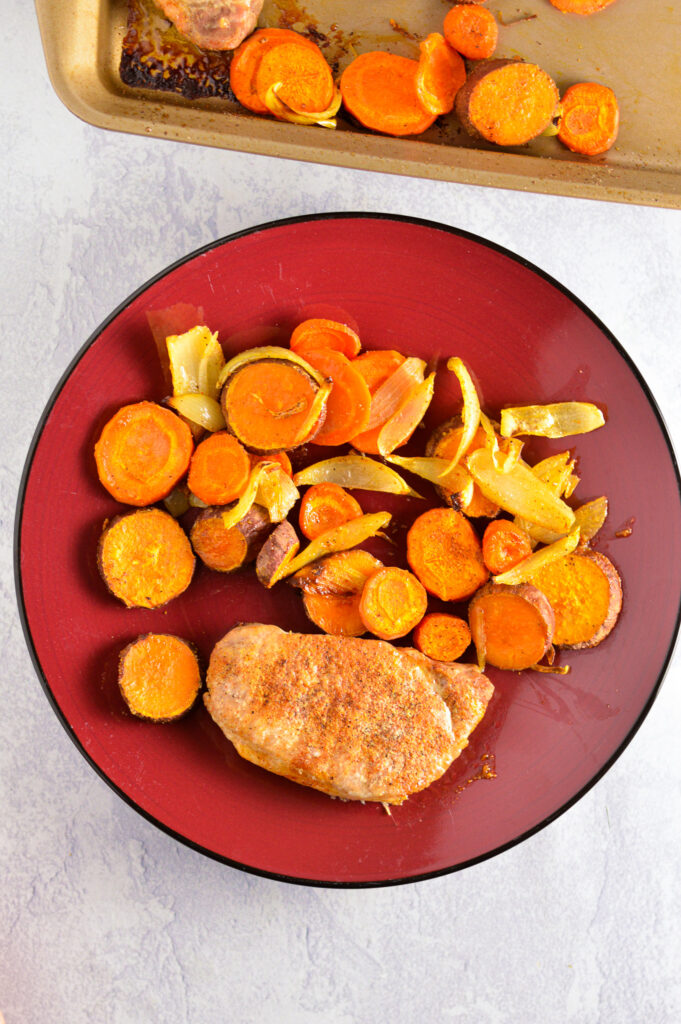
[
  {"x": 441, "y": 636},
  {"x": 508, "y": 102},
  {"x": 219, "y": 469},
  {"x": 504, "y": 545},
  {"x": 585, "y": 592},
  {"x": 319, "y": 333},
  {"x": 512, "y": 627},
  {"x": 145, "y": 558},
  {"x": 444, "y": 444},
  {"x": 281, "y": 458},
  {"x": 589, "y": 118},
  {"x": 142, "y": 452},
  {"x": 335, "y": 614},
  {"x": 304, "y": 78},
  {"x": 226, "y": 549},
  {"x": 347, "y": 407},
  {"x": 471, "y": 31},
  {"x": 445, "y": 553},
  {"x": 159, "y": 676},
  {"x": 325, "y": 506},
  {"x": 246, "y": 60},
  {"x": 379, "y": 90},
  {"x": 393, "y": 601},
  {"x": 581, "y": 6},
  {"x": 266, "y": 404},
  {"x": 441, "y": 73},
  {"x": 375, "y": 366}
]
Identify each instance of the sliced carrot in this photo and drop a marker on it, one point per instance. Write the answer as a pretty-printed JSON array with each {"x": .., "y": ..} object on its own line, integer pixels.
[
  {"x": 226, "y": 549},
  {"x": 219, "y": 469},
  {"x": 379, "y": 90},
  {"x": 471, "y": 31},
  {"x": 319, "y": 333},
  {"x": 445, "y": 553},
  {"x": 589, "y": 118},
  {"x": 377, "y": 365},
  {"x": 393, "y": 602},
  {"x": 145, "y": 558},
  {"x": 508, "y": 102},
  {"x": 304, "y": 79},
  {"x": 441, "y": 73},
  {"x": 281, "y": 458},
  {"x": 441, "y": 636},
  {"x": 347, "y": 407},
  {"x": 335, "y": 614},
  {"x": 504, "y": 544},
  {"x": 142, "y": 452},
  {"x": 159, "y": 676},
  {"x": 581, "y": 6},
  {"x": 325, "y": 506},
  {"x": 512, "y": 627},
  {"x": 246, "y": 60}
]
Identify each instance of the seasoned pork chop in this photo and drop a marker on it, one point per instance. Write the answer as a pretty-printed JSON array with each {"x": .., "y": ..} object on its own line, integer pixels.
[
  {"x": 357, "y": 719},
  {"x": 213, "y": 24}
]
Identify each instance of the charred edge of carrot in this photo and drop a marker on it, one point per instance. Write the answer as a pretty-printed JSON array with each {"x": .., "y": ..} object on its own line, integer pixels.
[
  {"x": 226, "y": 550},
  {"x": 145, "y": 558},
  {"x": 471, "y": 31},
  {"x": 512, "y": 626},
  {"x": 442, "y": 637},
  {"x": 159, "y": 676},
  {"x": 325, "y": 506},
  {"x": 219, "y": 469},
  {"x": 504, "y": 544},
  {"x": 393, "y": 602},
  {"x": 588, "y": 120},
  {"x": 142, "y": 452},
  {"x": 444, "y": 552}
]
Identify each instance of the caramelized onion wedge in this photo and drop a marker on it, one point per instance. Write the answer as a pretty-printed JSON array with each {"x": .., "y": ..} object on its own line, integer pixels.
[
  {"x": 556, "y": 472},
  {"x": 391, "y": 394},
  {"x": 520, "y": 492},
  {"x": 523, "y": 571},
  {"x": 196, "y": 361},
  {"x": 559, "y": 420},
  {"x": 470, "y": 413},
  {"x": 341, "y": 574},
  {"x": 254, "y": 355},
  {"x": 504, "y": 453},
  {"x": 200, "y": 409},
  {"x": 269, "y": 486},
  {"x": 439, "y": 472},
  {"x": 404, "y": 422},
  {"x": 356, "y": 472},
  {"x": 590, "y": 518},
  {"x": 341, "y": 538}
]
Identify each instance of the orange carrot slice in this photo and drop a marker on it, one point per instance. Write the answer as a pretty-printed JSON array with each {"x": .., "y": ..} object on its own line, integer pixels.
[
  {"x": 325, "y": 506},
  {"x": 441, "y": 73},
  {"x": 304, "y": 79},
  {"x": 581, "y": 6},
  {"x": 219, "y": 469},
  {"x": 319, "y": 333},
  {"x": 379, "y": 90},
  {"x": 347, "y": 407},
  {"x": 246, "y": 61},
  {"x": 441, "y": 636},
  {"x": 471, "y": 31},
  {"x": 589, "y": 118}
]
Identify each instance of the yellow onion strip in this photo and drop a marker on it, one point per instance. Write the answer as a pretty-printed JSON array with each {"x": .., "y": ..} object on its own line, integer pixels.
[
  {"x": 520, "y": 492},
  {"x": 458, "y": 480},
  {"x": 590, "y": 518},
  {"x": 255, "y": 355},
  {"x": 177, "y": 502},
  {"x": 387, "y": 398},
  {"x": 525, "y": 570},
  {"x": 341, "y": 538},
  {"x": 357, "y": 472},
  {"x": 201, "y": 409},
  {"x": 505, "y": 454},
  {"x": 284, "y": 112},
  {"x": 470, "y": 414},
  {"x": 561, "y": 419},
  {"x": 556, "y": 472},
  {"x": 314, "y": 412},
  {"x": 196, "y": 360},
  {"x": 399, "y": 428},
  {"x": 269, "y": 486}
]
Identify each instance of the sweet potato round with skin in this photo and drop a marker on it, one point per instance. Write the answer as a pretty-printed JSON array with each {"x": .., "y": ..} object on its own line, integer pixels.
[
  {"x": 585, "y": 592},
  {"x": 159, "y": 676},
  {"x": 512, "y": 627},
  {"x": 281, "y": 543},
  {"x": 145, "y": 558},
  {"x": 507, "y": 102},
  {"x": 226, "y": 550}
]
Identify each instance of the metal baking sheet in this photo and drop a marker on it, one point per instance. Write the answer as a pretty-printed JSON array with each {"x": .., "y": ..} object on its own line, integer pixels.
[{"x": 634, "y": 46}]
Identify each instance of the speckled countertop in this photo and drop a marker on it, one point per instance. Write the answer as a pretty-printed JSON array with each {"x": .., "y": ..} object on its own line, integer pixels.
[{"x": 105, "y": 919}]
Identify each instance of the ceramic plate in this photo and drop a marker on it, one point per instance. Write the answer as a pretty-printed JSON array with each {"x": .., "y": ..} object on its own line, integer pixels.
[{"x": 430, "y": 291}]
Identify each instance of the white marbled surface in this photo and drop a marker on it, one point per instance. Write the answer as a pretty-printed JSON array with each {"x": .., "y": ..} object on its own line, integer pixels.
[{"x": 105, "y": 919}]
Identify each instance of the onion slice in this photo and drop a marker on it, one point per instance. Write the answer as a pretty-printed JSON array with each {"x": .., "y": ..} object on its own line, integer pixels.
[
  {"x": 268, "y": 485},
  {"x": 341, "y": 538},
  {"x": 525, "y": 570},
  {"x": 200, "y": 409},
  {"x": 561, "y": 419},
  {"x": 284, "y": 112},
  {"x": 504, "y": 453},
  {"x": 470, "y": 413},
  {"x": 196, "y": 361},
  {"x": 520, "y": 492},
  {"x": 356, "y": 472},
  {"x": 399, "y": 428},
  {"x": 438, "y": 471},
  {"x": 387, "y": 399}
]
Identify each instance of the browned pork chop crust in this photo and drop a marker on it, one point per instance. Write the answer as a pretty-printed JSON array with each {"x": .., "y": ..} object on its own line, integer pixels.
[
  {"x": 213, "y": 24},
  {"x": 357, "y": 719}
]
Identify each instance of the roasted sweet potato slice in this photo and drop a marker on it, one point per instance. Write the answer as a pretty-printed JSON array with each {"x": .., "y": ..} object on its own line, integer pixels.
[
  {"x": 512, "y": 627},
  {"x": 585, "y": 592},
  {"x": 281, "y": 546},
  {"x": 159, "y": 676},
  {"x": 508, "y": 102},
  {"x": 228, "y": 549}
]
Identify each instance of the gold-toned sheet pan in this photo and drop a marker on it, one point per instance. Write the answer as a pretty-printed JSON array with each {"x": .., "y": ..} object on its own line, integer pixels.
[{"x": 634, "y": 46}]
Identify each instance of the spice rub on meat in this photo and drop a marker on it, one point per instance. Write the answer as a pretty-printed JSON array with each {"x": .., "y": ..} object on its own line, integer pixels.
[
  {"x": 356, "y": 719},
  {"x": 213, "y": 24}
]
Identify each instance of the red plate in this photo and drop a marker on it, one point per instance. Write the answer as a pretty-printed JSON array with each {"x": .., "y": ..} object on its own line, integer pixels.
[{"x": 429, "y": 291}]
